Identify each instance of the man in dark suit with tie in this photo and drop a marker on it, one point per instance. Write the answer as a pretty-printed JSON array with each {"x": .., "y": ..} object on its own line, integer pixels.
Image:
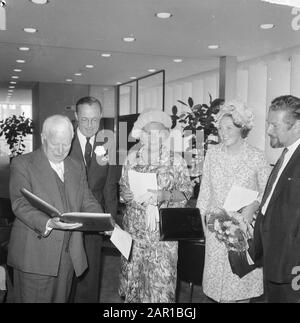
[
  {"x": 277, "y": 229},
  {"x": 43, "y": 251},
  {"x": 102, "y": 180}
]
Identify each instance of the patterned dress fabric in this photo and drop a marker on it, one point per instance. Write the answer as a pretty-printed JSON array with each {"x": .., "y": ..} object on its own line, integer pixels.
[
  {"x": 150, "y": 274},
  {"x": 247, "y": 169}
]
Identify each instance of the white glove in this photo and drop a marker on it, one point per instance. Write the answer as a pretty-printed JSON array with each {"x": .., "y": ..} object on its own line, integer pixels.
[
  {"x": 152, "y": 217},
  {"x": 147, "y": 198}
]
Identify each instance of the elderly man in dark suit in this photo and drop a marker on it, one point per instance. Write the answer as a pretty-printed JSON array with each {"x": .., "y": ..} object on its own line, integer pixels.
[
  {"x": 43, "y": 251},
  {"x": 277, "y": 229},
  {"x": 102, "y": 180}
]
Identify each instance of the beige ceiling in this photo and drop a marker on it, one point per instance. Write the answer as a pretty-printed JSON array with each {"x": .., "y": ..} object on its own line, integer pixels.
[{"x": 73, "y": 33}]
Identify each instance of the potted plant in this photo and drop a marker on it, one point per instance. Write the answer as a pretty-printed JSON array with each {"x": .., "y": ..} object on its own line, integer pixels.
[
  {"x": 200, "y": 117},
  {"x": 15, "y": 128}
]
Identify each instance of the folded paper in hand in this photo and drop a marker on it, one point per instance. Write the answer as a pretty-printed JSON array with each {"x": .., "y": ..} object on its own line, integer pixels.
[
  {"x": 122, "y": 240},
  {"x": 140, "y": 183},
  {"x": 239, "y": 197},
  {"x": 90, "y": 221}
]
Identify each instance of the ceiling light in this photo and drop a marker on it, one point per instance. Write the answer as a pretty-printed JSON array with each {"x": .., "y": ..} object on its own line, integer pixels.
[
  {"x": 39, "y": 1},
  {"x": 11, "y": 87},
  {"x": 129, "y": 39},
  {"x": 15, "y": 77},
  {"x": 13, "y": 82},
  {"x": 24, "y": 49},
  {"x": 213, "y": 46},
  {"x": 69, "y": 80},
  {"x": 291, "y": 3},
  {"x": 106, "y": 55},
  {"x": 20, "y": 61},
  {"x": 163, "y": 15},
  {"x": 133, "y": 77},
  {"x": 17, "y": 70},
  {"x": 89, "y": 66},
  {"x": 177, "y": 60},
  {"x": 10, "y": 91},
  {"x": 267, "y": 26},
  {"x": 30, "y": 30},
  {"x": 152, "y": 70},
  {"x": 118, "y": 83},
  {"x": 78, "y": 74}
]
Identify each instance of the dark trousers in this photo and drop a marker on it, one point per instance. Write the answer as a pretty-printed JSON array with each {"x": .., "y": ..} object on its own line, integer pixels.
[
  {"x": 86, "y": 288},
  {"x": 33, "y": 288},
  {"x": 281, "y": 293}
]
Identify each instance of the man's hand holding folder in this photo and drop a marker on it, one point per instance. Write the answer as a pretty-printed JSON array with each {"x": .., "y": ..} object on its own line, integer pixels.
[{"x": 55, "y": 223}]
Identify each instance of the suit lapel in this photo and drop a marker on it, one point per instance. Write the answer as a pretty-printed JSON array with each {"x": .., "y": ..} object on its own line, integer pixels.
[
  {"x": 76, "y": 151},
  {"x": 47, "y": 178},
  {"x": 71, "y": 184},
  {"x": 94, "y": 166},
  {"x": 290, "y": 165}
]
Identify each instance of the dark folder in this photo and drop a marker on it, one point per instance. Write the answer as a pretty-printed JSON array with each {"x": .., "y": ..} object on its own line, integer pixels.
[
  {"x": 180, "y": 224},
  {"x": 90, "y": 221}
]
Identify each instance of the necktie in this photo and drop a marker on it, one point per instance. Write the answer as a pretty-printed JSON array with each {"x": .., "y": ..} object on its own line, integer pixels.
[
  {"x": 88, "y": 152},
  {"x": 273, "y": 177}
]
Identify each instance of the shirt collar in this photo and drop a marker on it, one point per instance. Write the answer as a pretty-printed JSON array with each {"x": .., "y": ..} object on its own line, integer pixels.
[
  {"x": 56, "y": 166},
  {"x": 293, "y": 147},
  {"x": 82, "y": 138}
]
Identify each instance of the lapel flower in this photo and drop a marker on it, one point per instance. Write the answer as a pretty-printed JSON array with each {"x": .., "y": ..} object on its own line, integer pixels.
[
  {"x": 101, "y": 155},
  {"x": 100, "y": 151}
]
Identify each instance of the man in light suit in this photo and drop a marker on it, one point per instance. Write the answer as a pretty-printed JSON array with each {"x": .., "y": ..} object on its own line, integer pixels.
[
  {"x": 43, "y": 251},
  {"x": 102, "y": 180},
  {"x": 277, "y": 229}
]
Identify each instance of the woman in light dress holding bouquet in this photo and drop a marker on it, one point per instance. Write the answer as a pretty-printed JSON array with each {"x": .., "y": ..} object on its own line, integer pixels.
[{"x": 232, "y": 162}]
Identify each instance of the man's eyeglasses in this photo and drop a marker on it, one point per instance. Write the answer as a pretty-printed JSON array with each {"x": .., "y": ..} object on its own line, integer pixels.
[{"x": 87, "y": 121}]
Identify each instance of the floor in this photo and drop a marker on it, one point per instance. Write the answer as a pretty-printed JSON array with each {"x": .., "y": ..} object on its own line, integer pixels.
[{"x": 110, "y": 278}]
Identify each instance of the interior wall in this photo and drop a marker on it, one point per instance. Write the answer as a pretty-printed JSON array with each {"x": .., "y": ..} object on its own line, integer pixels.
[
  {"x": 106, "y": 95},
  {"x": 259, "y": 81},
  {"x": 54, "y": 98}
]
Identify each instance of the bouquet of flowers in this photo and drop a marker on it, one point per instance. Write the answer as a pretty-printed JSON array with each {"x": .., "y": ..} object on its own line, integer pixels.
[{"x": 232, "y": 230}]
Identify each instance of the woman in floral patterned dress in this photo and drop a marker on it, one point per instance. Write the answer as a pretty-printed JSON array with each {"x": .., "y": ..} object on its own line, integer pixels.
[
  {"x": 150, "y": 275},
  {"x": 233, "y": 161}
]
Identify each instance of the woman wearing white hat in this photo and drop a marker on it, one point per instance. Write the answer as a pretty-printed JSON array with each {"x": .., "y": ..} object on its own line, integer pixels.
[{"x": 150, "y": 275}]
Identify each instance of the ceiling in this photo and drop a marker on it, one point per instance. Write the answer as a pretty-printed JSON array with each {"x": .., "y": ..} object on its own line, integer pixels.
[{"x": 74, "y": 33}]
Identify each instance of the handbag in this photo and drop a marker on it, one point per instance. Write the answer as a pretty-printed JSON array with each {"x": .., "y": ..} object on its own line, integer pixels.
[
  {"x": 239, "y": 262},
  {"x": 180, "y": 224}
]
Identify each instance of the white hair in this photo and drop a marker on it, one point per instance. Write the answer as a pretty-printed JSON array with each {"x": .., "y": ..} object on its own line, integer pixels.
[{"x": 51, "y": 124}]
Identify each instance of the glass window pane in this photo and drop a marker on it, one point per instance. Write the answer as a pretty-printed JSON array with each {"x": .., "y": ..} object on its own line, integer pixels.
[
  {"x": 151, "y": 92},
  {"x": 128, "y": 99}
]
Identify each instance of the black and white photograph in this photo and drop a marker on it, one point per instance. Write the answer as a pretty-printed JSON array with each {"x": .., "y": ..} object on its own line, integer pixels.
[{"x": 149, "y": 154}]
